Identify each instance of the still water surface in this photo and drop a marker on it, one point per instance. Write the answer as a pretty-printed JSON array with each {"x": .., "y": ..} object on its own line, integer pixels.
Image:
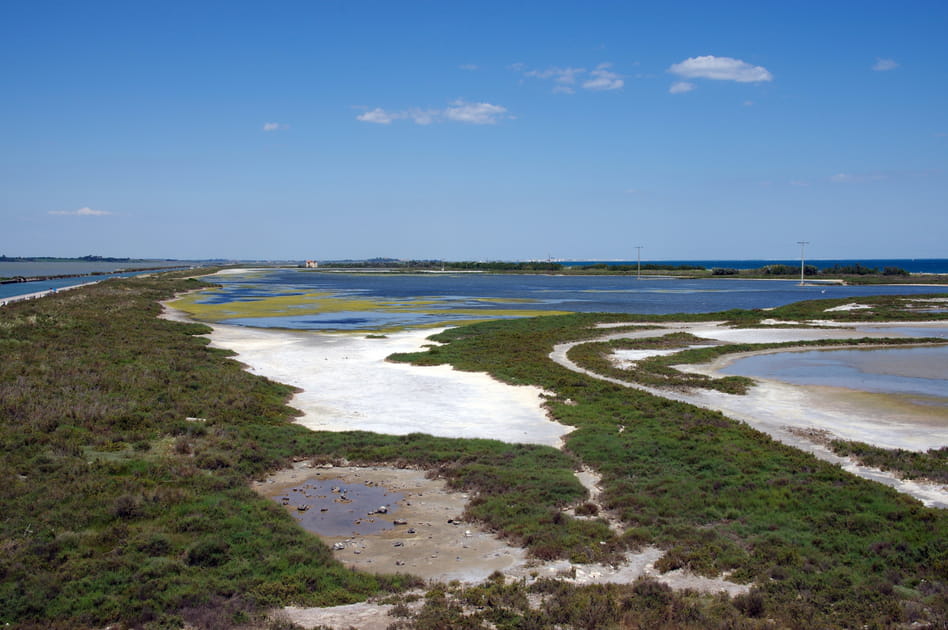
[
  {"x": 458, "y": 297},
  {"x": 921, "y": 371}
]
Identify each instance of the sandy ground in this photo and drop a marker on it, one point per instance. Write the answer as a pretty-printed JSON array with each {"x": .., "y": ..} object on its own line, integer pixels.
[
  {"x": 427, "y": 538},
  {"x": 347, "y": 385},
  {"x": 790, "y": 413},
  {"x": 431, "y": 540}
]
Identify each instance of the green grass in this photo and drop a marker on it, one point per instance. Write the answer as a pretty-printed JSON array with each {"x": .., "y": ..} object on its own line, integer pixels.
[
  {"x": 106, "y": 517},
  {"x": 118, "y": 510},
  {"x": 931, "y": 465},
  {"x": 821, "y": 544}
]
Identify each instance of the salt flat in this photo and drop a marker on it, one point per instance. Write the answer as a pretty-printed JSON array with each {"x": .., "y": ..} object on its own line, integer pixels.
[{"x": 348, "y": 385}]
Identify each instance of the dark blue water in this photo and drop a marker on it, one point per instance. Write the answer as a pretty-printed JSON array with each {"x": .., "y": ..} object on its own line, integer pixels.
[
  {"x": 475, "y": 291},
  {"x": 911, "y": 265},
  {"x": 22, "y": 288}
]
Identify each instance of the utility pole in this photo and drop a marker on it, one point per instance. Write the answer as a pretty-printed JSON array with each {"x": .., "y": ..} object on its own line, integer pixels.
[
  {"x": 638, "y": 264},
  {"x": 802, "y": 245}
]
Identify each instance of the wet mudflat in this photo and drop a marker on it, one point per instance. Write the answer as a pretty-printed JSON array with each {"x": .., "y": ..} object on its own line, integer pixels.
[{"x": 330, "y": 508}]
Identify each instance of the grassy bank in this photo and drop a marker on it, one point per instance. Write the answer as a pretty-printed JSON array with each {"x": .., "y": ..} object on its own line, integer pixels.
[
  {"x": 129, "y": 446},
  {"x": 117, "y": 508},
  {"x": 128, "y": 450},
  {"x": 826, "y": 548}
]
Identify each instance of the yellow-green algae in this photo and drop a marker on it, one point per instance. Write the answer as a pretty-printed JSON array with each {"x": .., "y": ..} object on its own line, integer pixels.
[{"x": 314, "y": 303}]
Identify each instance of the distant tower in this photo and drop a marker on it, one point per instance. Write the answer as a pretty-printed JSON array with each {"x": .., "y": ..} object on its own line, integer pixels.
[
  {"x": 802, "y": 245},
  {"x": 638, "y": 262}
]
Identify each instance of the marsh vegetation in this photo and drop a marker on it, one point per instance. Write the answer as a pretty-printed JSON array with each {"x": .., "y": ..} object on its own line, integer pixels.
[{"x": 129, "y": 446}]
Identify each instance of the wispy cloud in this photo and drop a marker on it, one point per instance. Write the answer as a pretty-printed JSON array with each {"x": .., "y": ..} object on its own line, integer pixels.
[
  {"x": 882, "y": 65},
  {"x": 457, "y": 111},
  {"x": 272, "y": 126},
  {"x": 81, "y": 212},
  {"x": 471, "y": 67},
  {"x": 856, "y": 178},
  {"x": 567, "y": 79},
  {"x": 720, "y": 69},
  {"x": 563, "y": 76},
  {"x": 604, "y": 79},
  {"x": 680, "y": 87}
]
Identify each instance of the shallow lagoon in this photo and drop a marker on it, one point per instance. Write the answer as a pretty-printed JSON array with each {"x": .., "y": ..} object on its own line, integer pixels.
[
  {"x": 920, "y": 373},
  {"x": 369, "y": 301}
]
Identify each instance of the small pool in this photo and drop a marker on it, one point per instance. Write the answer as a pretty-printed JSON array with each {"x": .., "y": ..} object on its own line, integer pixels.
[
  {"x": 329, "y": 507},
  {"x": 919, "y": 371}
]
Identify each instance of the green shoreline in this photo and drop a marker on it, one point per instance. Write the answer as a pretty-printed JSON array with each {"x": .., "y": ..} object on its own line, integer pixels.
[{"x": 119, "y": 509}]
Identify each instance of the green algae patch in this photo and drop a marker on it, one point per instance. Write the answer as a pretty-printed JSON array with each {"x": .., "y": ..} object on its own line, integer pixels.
[
  {"x": 429, "y": 312},
  {"x": 275, "y": 306}
]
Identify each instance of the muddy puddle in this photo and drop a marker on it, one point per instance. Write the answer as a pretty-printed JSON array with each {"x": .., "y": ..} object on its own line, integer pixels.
[
  {"x": 421, "y": 531},
  {"x": 328, "y": 507}
]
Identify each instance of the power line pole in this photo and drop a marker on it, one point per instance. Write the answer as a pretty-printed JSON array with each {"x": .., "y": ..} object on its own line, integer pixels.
[
  {"x": 802, "y": 245},
  {"x": 638, "y": 264}
]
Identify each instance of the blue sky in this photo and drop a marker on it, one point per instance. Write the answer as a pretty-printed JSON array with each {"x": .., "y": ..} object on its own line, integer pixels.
[{"x": 463, "y": 130}]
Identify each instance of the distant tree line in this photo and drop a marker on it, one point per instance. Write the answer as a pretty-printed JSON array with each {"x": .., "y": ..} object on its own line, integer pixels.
[
  {"x": 644, "y": 267},
  {"x": 777, "y": 269},
  {"x": 855, "y": 269},
  {"x": 388, "y": 263},
  {"x": 90, "y": 258}
]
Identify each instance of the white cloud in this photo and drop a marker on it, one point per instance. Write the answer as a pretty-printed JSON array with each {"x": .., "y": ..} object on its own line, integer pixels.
[
  {"x": 378, "y": 116},
  {"x": 474, "y": 113},
  {"x": 604, "y": 79},
  {"x": 885, "y": 64},
  {"x": 272, "y": 126},
  {"x": 458, "y": 111},
  {"x": 721, "y": 69},
  {"x": 681, "y": 87},
  {"x": 81, "y": 212}
]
